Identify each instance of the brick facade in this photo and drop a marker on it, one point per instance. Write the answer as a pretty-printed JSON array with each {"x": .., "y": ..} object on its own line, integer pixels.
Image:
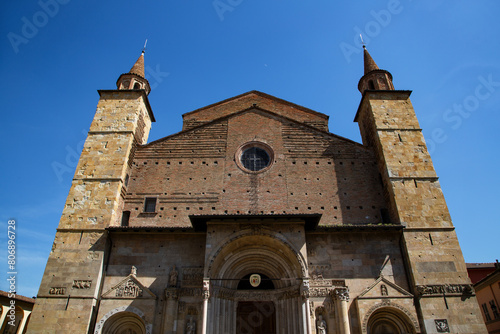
[{"x": 354, "y": 237}]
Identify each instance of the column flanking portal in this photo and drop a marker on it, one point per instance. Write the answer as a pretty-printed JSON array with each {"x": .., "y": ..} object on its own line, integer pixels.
[
  {"x": 435, "y": 264},
  {"x": 68, "y": 297}
]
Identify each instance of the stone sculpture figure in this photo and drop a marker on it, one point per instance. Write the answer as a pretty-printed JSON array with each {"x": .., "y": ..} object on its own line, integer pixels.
[
  {"x": 173, "y": 277},
  {"x": 321, "y": 325},
  {"x": 191, "y": 326}
]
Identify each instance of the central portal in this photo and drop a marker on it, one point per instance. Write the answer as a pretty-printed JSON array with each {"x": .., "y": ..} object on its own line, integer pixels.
[
  {"x": 256, "y": 318},
  {"x": 254, "y": 279}
]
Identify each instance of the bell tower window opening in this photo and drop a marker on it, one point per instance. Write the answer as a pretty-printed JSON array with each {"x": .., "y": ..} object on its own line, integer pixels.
[
  {"x": 137, "y": 85},
  {"x": 371, "y": 86}
]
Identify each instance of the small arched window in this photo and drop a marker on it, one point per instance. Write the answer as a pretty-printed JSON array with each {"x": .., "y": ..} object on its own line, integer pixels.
[
  {"x": 137, "y": 85},
  {"x": 371, "y": 86}
]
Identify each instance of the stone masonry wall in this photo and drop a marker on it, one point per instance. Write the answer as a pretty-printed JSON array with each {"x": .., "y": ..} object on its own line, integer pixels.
[
  {"x": 388, "y": 124},
  {"x": 94, "y": 201}
]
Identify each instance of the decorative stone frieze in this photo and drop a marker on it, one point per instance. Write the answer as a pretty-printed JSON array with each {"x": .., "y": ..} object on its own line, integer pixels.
[
  {"x": 57, "y": 291},
  {"x": 192, "y": 276},
  {"x": 129, "y": 289},
  {"x": 320, "y": 292},
  {"x": 82, "y": 284},
  {"x": 447, "y": 289}
]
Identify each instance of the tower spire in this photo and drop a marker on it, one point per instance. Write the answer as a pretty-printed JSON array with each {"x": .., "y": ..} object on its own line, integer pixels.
[
  {"x": 135, "y": 78},
  {"x": 370, "y": 64},
  {"x": 374, "y": 78},
  {"x": 138, "y": 67}
]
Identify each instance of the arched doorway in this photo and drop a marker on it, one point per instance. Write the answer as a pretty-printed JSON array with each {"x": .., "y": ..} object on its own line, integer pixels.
[
  {"x": 389, "y": 321},
  {"x": 124, "y": 323},
  {"x": 233, "y": 307}
]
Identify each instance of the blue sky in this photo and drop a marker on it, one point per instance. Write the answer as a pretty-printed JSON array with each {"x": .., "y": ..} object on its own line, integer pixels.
[{"x": 55, "y": 54}]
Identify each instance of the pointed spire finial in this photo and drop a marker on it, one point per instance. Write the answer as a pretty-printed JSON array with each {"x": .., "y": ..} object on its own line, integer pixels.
[
  {"x": 362, "y": 41},
  {"x": 144, "y": 48}
]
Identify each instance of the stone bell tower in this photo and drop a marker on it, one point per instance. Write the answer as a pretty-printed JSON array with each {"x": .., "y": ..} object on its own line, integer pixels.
[
  {"x": 71, "y": 286},
  {"x": 435, "y": 265}
]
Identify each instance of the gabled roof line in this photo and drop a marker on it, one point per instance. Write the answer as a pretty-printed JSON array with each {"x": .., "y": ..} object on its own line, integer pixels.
[
  {"x": 326, "y": 117},
  {"x": 261, "y": 109},
  {"x": 381, "y": 278}
]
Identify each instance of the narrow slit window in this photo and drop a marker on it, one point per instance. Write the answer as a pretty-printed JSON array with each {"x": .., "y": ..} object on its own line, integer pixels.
[
  {"x": 125, "y": 218},
  {"x": 150, "y": 204}
]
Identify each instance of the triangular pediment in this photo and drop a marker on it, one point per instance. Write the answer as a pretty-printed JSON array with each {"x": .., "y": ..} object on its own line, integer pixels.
[
  {"x": 383, "y": 288},
  {"x": 255, "y": 99},
  {"x": 214, "y": 133},
  {"x": 129, "y": 288}
]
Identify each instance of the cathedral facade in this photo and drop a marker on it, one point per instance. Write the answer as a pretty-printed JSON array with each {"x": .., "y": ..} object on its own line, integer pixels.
[{"x": 256, "y": 219}]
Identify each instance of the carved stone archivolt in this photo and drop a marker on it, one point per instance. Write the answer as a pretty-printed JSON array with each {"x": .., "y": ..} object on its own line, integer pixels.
[
  {"x": 446, "y": 289},
  {"x": 99, "y": 326},
  {"x": 264, "y": 232},
  {"x": 386, "y": 303}
]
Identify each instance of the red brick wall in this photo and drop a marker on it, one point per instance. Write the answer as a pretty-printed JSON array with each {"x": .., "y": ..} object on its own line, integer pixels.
[{"x": 194, "y": 172}]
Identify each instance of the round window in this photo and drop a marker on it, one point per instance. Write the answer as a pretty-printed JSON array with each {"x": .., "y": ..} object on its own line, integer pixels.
[{"x": 254, "y": 157}]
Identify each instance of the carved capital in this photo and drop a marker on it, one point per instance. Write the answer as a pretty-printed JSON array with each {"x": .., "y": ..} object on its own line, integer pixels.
[
  {"x": 341, "y": 294},
  {"x": 305, "y": 290},
  {"x": 171, "y": 293},
  {"x": 206, "y": 288}
]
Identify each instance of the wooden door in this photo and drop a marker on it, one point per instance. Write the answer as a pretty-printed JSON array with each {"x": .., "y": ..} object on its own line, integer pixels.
[{"x": 256, "y": 318}]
